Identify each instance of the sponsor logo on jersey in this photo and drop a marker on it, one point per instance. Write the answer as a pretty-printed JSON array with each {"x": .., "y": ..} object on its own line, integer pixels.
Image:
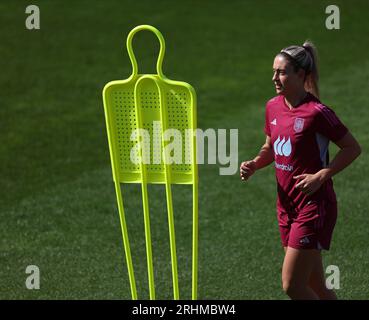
[
  {"x": 282, "y": 147},
  {"x": 274, "y": 122},
  {"x": 284, "y": 167},
  {"x": 299, "y": 124}
]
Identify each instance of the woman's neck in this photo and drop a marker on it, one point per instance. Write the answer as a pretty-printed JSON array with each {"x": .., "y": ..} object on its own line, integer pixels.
[{"x": 294, "y": 100}]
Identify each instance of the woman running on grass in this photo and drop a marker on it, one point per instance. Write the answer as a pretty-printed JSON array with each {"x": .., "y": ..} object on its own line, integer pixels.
[{"x": 298, "y": 129}]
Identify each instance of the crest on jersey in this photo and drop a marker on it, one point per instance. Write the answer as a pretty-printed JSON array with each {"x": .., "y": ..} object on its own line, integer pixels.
[{"x": 299, "y": 124}]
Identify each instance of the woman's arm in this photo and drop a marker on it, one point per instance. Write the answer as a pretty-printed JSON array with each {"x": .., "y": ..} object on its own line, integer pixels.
[
  {"x": 349, "y": 151},
  {"x": 265, "y": 156},
  {"x": 263, "y": 159}
]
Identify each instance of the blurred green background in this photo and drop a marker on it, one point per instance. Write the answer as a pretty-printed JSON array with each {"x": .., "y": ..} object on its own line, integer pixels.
[{"x": 58, "y": 209}]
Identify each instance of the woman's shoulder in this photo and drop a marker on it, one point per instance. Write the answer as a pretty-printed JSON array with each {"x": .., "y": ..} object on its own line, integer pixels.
[
  {"x": 275, "y": 100},
  {"x": 316, "y": 106},
  {"x": 319, "y": 108}
]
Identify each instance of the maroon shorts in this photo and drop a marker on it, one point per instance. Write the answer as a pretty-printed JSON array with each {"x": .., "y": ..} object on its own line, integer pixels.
[{"x": 309, "y": 228}]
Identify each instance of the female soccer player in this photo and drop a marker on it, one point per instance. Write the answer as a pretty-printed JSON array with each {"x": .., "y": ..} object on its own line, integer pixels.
[{"x": 298, "y": 129}]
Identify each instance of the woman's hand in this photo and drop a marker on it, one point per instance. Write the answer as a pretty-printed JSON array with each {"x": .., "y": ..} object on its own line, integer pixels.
[
  {"x": 247, "y": 169},
  {"x": 309, "y": 183}
]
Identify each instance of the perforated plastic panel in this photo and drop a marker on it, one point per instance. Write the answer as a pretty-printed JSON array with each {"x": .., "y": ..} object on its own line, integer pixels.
[
  {"x": 177, "y": 100},
  {"x": 125, "y": 123}
]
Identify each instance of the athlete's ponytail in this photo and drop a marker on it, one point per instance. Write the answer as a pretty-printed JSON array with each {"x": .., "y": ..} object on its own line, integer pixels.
[
  {"x": 305, "y": 57},
  {"x": 312, "y": 77}
]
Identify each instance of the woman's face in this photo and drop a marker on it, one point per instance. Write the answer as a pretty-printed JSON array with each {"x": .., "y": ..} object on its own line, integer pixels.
[{"x": 285, "y": 79}]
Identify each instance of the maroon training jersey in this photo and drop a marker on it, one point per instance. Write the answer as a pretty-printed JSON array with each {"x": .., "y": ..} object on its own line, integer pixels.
[{"x": 300, "y": 138}]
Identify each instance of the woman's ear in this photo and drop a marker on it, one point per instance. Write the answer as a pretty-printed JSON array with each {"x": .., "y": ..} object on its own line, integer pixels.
[{"x": 301, "y": 73}]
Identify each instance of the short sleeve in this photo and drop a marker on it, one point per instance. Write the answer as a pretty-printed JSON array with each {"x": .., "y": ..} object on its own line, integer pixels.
[
  {"x": 328, "y": 124},
  {"x": 266, "y": 125}
]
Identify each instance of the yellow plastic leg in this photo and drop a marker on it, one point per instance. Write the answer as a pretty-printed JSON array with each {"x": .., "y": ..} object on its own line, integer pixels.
[{"x": 127, "y": 249}]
